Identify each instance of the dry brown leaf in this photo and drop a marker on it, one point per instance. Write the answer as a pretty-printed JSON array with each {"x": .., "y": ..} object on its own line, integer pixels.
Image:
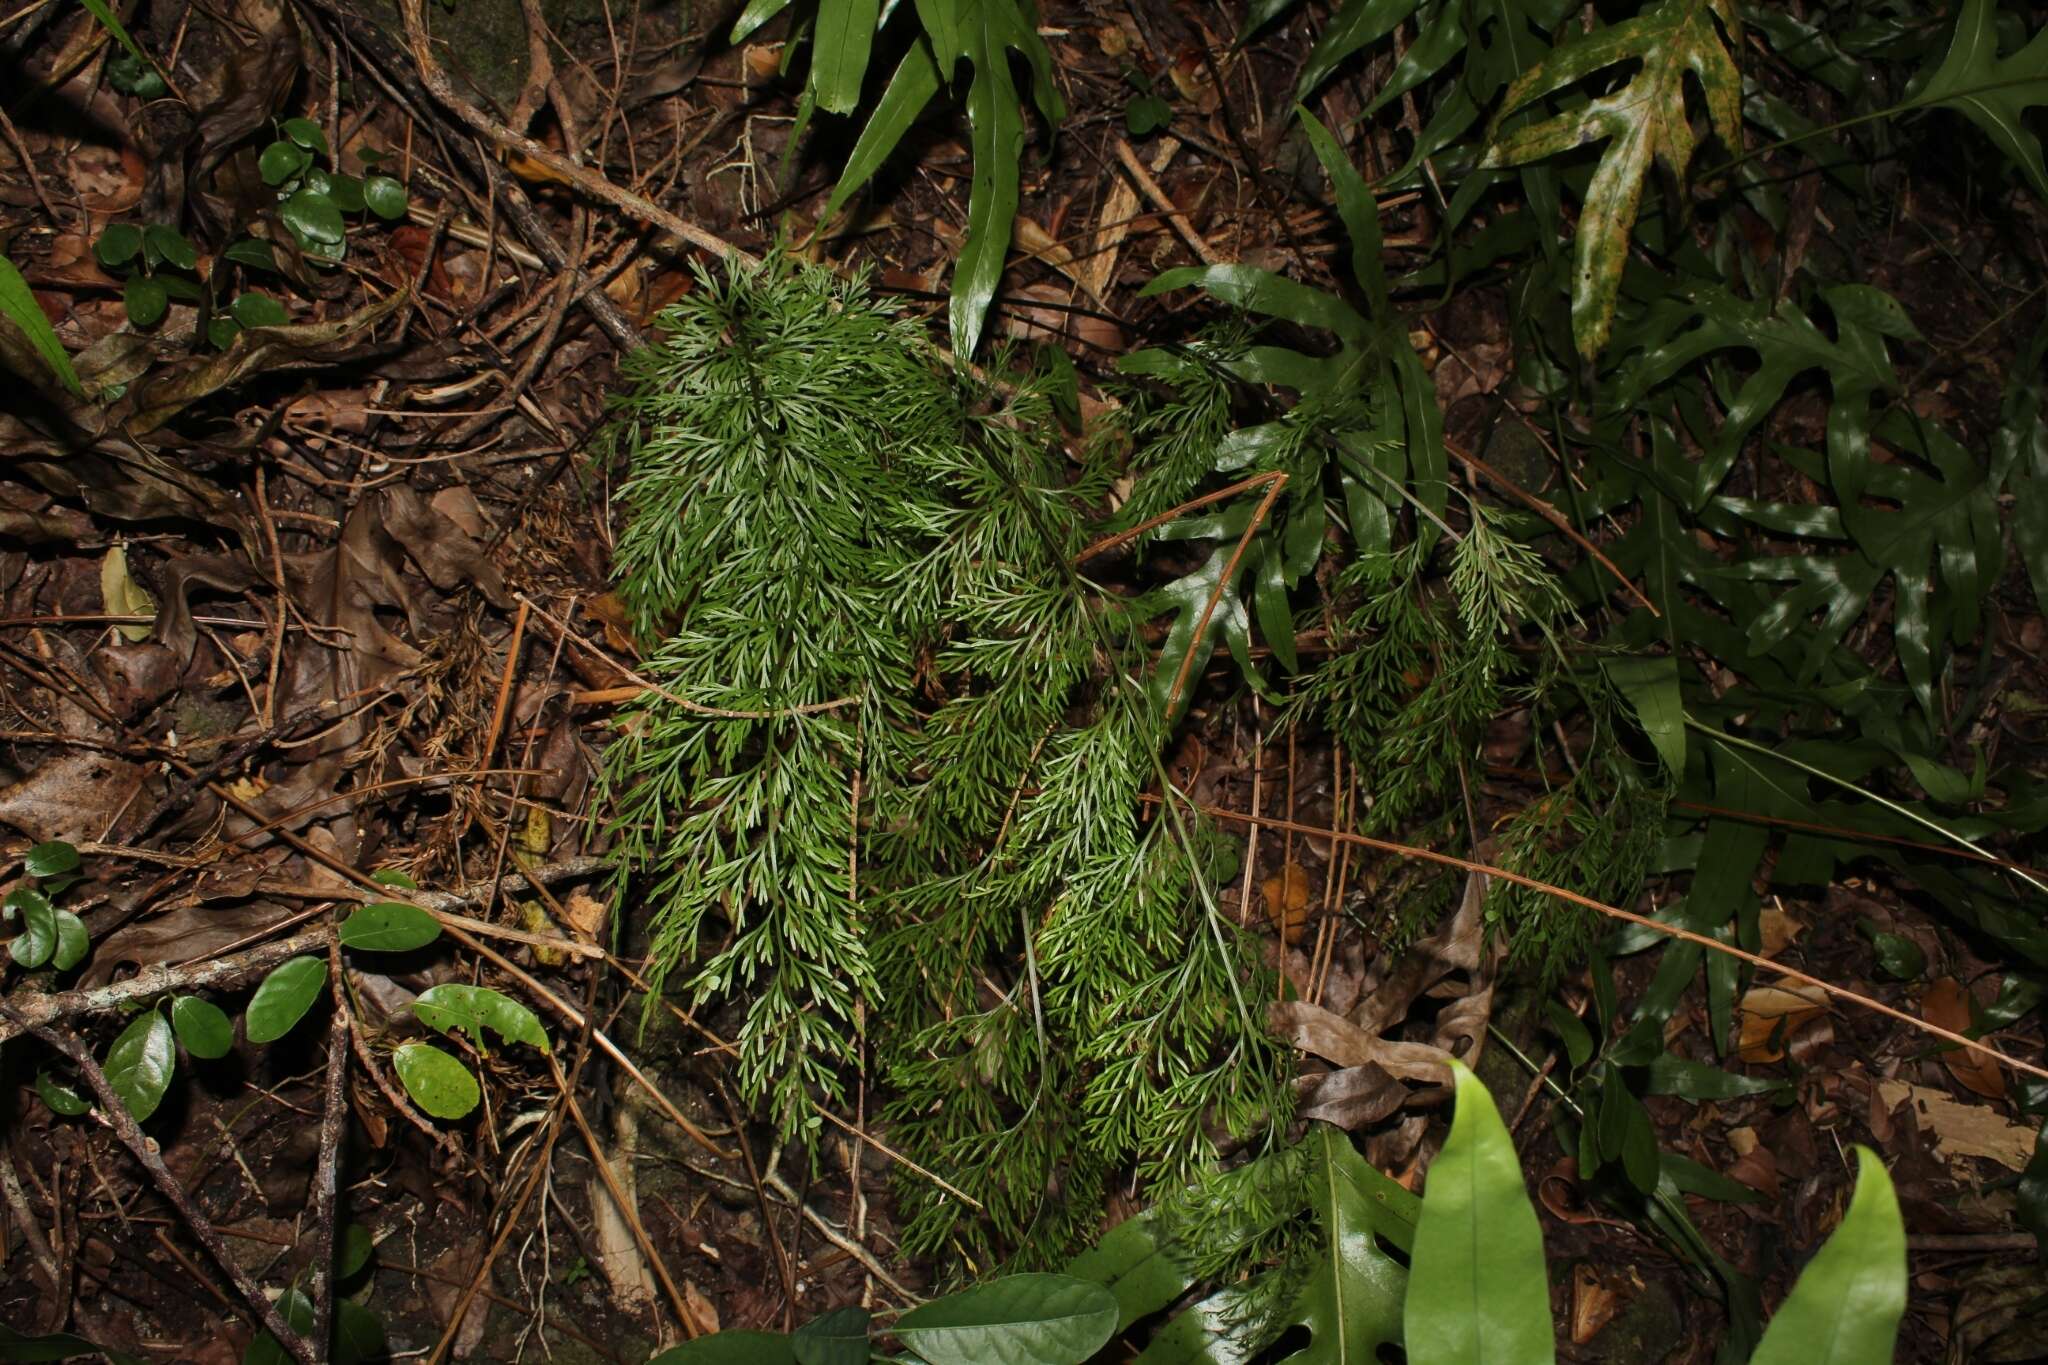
[
  {"x": 1286, "y": 895},
  {"x": 1771, "y": 1013},
  {"x": 586, "y": 914},
  {"x": 1962, "y": 1129},
  {"x": 1594, "y": 1303},
  {"x": 1947, "y": 1005},
  {"x": 1778, "y": 930}
]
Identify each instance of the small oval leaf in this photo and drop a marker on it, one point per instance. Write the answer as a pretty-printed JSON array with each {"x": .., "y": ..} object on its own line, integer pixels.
[
  {"x": 454, "y": 1005},
  {"x": 258, "y": 310},
  {"x": 284, "y": 997},
  {"x": 50, "y": 859},
  {"x": 312, "y": 217},
  {"x": 252, "y": 252},
  {"x": 307, "y": 134},
  {"x": 118, "y": 245},
  {"x": 391, "y": 876},
  {"x": 357, "y": 1246},
  {"x": 202, "y": 1026},
  {"x": 389, "y": 927},
  {"x": 384, "y": 196},
  {"x": 140, "y": 1062},
  {"x": 1041, "y": 1319},
  {"x": 146, "y": 300},
  {"x": 166, "y": 243},
  {"x": 38, "y": 938},
  {"x": 61, "y": 1098},
  {"x": 73, "y": 943},
  {"x": 436, "y": 1081}
]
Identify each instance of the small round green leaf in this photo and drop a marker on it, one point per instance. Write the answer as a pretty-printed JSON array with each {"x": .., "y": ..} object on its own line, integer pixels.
[
  {"x": 389, "y": 927},
  {"x": 252, "y": 252},
  {"x": 202, "y": 1026},
  {"x": 222, "y": 332},
  {"x": 131, "y": 75},
  {"x": 436, "y": 1081},
  {"x": 454, "y": 1005},
  {"x": 358, "y": 1334},
  {"x": 391, "y": 876},
  {"x": 1041, "y": 1319},
  {"x": 307, "y": 134},
  {"x": 346, "y": 191},
  {"x": 166, "y": 243},
  {"x": 281, "y": 161},
  {"x": 61, "y": 1098},
  {"x": 258, "y": 310},
  {"x": 385, "y": 197},
  {"x": 146, "y": 299},
  {"x": 284, "y": 997},
  {"x": 140, "y": 1062},
  {"x": 38, "y": 938},
  {"x": 50, "y": 859},
  {"x": 118, "y": 245},
  {"x": 357, "y": 1246},
  {"x": 297, "y": 1311},
  {"x": 73, "y": 943},
  {"x": 313, "y": 217}
]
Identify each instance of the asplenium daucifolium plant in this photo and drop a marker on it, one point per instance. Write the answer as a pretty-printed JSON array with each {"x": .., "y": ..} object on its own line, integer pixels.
[{"x": 889, "y": 773}]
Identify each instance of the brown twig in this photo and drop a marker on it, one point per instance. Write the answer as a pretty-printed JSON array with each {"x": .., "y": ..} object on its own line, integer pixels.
[
  {"x": 116, "y": 1116},
  {"x": 1430, "y": 855},
  {"x": 333, "y": 1123}
]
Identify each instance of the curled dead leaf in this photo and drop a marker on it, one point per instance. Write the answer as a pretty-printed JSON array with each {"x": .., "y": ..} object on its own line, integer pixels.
[
  {"x": 1770, "y": 1015},
  {"x": 1947, "y": 1005}
]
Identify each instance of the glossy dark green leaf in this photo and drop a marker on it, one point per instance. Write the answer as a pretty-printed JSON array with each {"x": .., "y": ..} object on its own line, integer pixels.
[
  {"x": 307, "y": 134},
  {"x": 1146, "y": 115},
  {"x": 252, "y": 252},
  {"x": 757, "y": 13},
  {"x": 18, "y": 305},
  {"x": 50, "y": 858},
  {"x": 146, "y": 300},
  {"x": 118, "y": 244},
  {"x": 202, "y": 1026},
  {"x": 31, "y": 909},
  {"x": 1898, "y": 957},
  {"x": 73, "y": 943},
  {"x": 389, "y": 927},
  {"x": 1991, "y": 93},
  {"x": 358, "y": 1334},
  {"x": 1031, "y": 1319},
  {"x": 312, "y": 217},
  {"x": 297, "y": 1311},
  {"x": 283, "y": 998},
  {"x": 437, "y": 1082},
  {"x": 258, "y": 310},
  {"x": 166, "y": 243},
  {"x": 1846, "y": 1305},
  {"x": 282, "y": 161},
  {"x": 222, "y": 331},
  {"x": 1477, "y": 1286},
  {"x": 61, "y": 1098},
  {"x": 384, "y": 197},
  {"x": 357, "y": 1246},
  {"x": 140, "y": 1063},
  {"x": 838, "y": 1338},
  {"x": 903, "y": 99},
  {"x": 454, "y": 1005},
  {"x": 1356, "y": 25}
]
